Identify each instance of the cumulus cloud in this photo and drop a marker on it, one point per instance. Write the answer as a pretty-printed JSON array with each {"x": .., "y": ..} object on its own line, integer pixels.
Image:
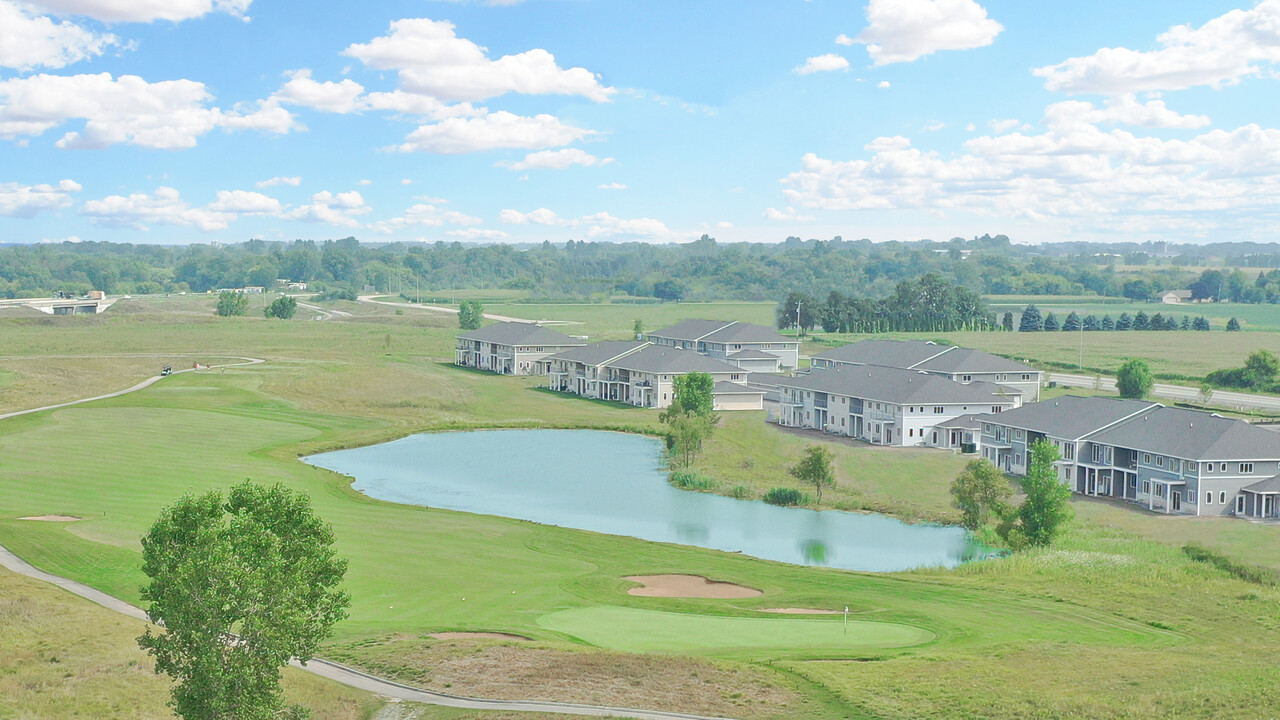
[
  {"x": 165, "y": 206},
  {"x": 366, "y": 181},
  {"x": 557, "y": 160},
  {"x": 1230, "y": 47},
  {"x": 339, "y": 209},
  {"x": 612, "y": 186},
  {"x": 488, "y": 132},
  {"x": 843, "y": 39},
  {"x": 168, "y": 115},
  {"x": 883, "y": 85},
  {"x": 58, "y": 241},
  {"x": 143, "y": 10},
  {"x": 28, "y": 40},
  {"x": 906, "y": 30},
  {"x": 1074, "y": 170},
  {"x": 599, "y": 225},
  {"x": 477, "y": 234},
  {"x": 423, "y": 214},
  {"x": 244, "y": 202},
  {"x": 295, "y": 181},
  {"x": 24, "y": 201},
  {"x": 785, "y": 214},
  {"x": 433, "y": 61},
  {"x": 334, "y": 97},
  {"x": 823, "y": 63},
  {"x": 541, "y": 216}
]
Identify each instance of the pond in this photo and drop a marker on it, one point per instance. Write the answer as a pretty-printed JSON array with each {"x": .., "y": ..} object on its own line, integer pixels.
[{"x": 614, "y": 483}]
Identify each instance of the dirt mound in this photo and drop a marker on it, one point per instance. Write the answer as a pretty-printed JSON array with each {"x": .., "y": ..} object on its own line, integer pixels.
[
  {"x": 688, "y": 586},
  {"x": 52, "y": 518}
]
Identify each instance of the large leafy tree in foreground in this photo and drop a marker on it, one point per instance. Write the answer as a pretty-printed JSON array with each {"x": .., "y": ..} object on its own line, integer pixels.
[{"x": 241, "y": 586}]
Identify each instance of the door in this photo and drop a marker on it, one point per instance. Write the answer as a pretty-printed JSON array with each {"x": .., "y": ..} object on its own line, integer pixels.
[
  {"x": 1268, "y": 505},
  {"x": 1177, "y": 499}
]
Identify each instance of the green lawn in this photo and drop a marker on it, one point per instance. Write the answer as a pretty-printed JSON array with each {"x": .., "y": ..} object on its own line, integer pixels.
[
  {"x": 1115, "y": 597},
  {"x": 605, "y": 321}
]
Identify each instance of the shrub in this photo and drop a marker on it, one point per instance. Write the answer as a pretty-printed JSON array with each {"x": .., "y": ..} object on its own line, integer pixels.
[
  {"x": 741, "y": 492},
  {"x": 336, "y": 294},
  {"x": 787, "y": 497},
  {"x": 1248, "y": 573},
  {"x": 689, "y": 480}
]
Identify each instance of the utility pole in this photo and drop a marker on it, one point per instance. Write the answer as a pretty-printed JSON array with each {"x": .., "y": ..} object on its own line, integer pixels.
[{"x": 799, "y": 330}]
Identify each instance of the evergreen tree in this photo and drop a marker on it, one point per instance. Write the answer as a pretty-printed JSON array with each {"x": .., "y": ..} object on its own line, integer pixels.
[
  {"x": 1125, "y": 322},
  {"x": 1031, "y": 321},
  {"x": 1170, "y": 323},
  {"x": 1108, "y": 324},
  {"x": 1050, "y": 323},
  {"x": 1156, "y": 322},
  {"x": 1201, "y": 324},
  {"x": 1185, "y": 324},
  {"x": 1007, "y": 322},
  {"x": 1141, "y": 321},
  {"x": 1233, "y": 325},
  {"x": 1091, "y": 323},
  {"x": 1072, "y": 323}
]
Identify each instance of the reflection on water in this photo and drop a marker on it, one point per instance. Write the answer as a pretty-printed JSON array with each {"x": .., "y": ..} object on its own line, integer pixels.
[{"x": 614, "y": 483}]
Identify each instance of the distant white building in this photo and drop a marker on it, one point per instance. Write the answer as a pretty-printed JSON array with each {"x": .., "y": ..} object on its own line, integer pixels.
[
  {"x": 962, "y": 365},
  {"x": 643, "y": 374},
  {"x": 510, "y": 348},
  {"x": 748, "y": 346}
]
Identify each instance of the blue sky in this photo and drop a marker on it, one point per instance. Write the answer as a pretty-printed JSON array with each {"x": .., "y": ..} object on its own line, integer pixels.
[{"x": 178, "y": 121}]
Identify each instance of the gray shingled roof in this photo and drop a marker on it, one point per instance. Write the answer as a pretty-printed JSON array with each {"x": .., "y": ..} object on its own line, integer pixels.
[
  {"x": 1070, "y": 416},
  {"x": 747, "y": 333},
  {"x": 752, "y": 354},
  {"x": 660, "y": 359},
  {"x": 597, "y": 353},
  {"x": 921, "y": 355},
  {"x": 724, "y": 387},
  {"x": 514, "y": 333},
  {"x": 901, "y": 387},
  {"x": 690, "y": 329},
  {"x": 964, "y": 422},
  {"x": 1193, "y": 435},
  {"x": 966, "y": 360},
  {"x": 1270, "y": 485}
]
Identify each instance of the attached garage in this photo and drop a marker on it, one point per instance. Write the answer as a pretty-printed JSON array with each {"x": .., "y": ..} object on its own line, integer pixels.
[{"x": 733, "y": 396}]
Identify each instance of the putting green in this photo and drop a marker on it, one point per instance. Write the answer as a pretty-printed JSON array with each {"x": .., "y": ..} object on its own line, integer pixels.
[{"x": 637, "y": 630}]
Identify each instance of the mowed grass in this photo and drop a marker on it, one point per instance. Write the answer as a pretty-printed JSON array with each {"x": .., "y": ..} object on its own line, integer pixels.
[
  {"x": 1103, "y": 598},
  {"x": 606, "y": 321},
  {"x": 636, "y": 630}
]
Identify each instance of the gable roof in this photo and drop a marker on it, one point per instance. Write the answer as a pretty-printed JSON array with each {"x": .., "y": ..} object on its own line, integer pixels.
[
  {"x": 661, "y": 359},
  {"x": 516, "y": 333},
  {"x": 1269, "y": 486},
  {"x": 921, "y": 355},
  {"x": 1193, "y": 435},
  {"x": 599, "y": 353},
  {"x": 721, "y": 331},
  {"x": 968, "y": 360},
  {"x": 752, "y": 354},
  {"x": 898, "y": 386},
  {"x": 724, "y": 387},
  {"x": 1070, "y": 417}
]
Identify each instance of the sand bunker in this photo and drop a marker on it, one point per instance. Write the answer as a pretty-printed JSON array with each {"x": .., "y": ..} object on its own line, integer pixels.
[
  {"x": 477, "y": 635},
  {"x": 687, "y": 586},
  {"x": 800, "y": 611},
  {"x": 52, "y": 518}
]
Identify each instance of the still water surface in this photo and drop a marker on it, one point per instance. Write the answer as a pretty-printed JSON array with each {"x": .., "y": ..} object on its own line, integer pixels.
[{"x": 614, "y": 483}]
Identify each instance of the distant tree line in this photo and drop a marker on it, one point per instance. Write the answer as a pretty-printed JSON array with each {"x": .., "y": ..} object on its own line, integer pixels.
[
  {"x": 1032, "y": 321},
  {"x": 576, "y": 270},
  {"x": 932, "y": 304}
]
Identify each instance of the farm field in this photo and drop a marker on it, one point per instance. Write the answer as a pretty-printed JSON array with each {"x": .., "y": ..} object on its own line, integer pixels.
[
  {"x": 1117, "y": 595},
  {"x": 1252, "y": 317}
]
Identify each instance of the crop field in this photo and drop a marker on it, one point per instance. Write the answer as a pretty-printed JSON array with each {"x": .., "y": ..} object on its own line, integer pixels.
[
  {"x": 1252, "y": 317},
  {"x": 1113, "y": 621}
]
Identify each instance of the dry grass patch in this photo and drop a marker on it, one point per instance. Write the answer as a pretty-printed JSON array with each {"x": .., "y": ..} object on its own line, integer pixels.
[
  {"x": 687, "y": 586},
  {"x": 511, "y": 671}
]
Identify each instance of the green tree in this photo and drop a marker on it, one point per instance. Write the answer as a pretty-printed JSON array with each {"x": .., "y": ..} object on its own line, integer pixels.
[
  {"x": 1108, "y": 324},
  {"x": 694, "y": 394},
  {"x": 685, "y": 436},
  {"x": 282, "y": 307},
  {"x": 981, "y": 493},
  {"x": 241, "y": 587},
  {"x": 1030, "y": 321},
  {"x": 1006, "y": 322},
  {"x": 1072, "y": 323},
  {"x": 1050, "y": 323},
  {"x": 1261, "y": 369},
  {"x": 470, "y": 314},
  {"x": 1206, "y": 393},
  {"x": 1141, "y": 321},
  {"x": 1233, "y": 325},
  {"x": 232, "y": 303},
  {"x": 815, "y": 469},
  {"x": 637, "y": 329},
  {"x": 1047, "y": 504},
  {"x": 1134, "y": 380},
  {"x": 1125, "y": 322}
]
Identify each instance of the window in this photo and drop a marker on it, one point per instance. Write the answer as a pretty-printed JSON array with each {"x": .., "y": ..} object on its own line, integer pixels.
[
  {"x": 966, "y": 378},
  {"x": 1146, "y": 486},
  {"x": 938, "y": 410},
  {"x": 1239, "y": 504},
  {"x": 1026, "y": 376},
  {"x": 995, "y": 408},
  {"x": 1222, "y": 498},
  {"x": 1191, "y": 467},
  {"x": 1017, "y": 458},
  {"x": 1160, "y": 461},
  {"x": 1246, "y": 468},
  {"x": 1019, "y": 433},
  {"x": 1191, "y": 496},
  {"x": 1208, "y": 498},
  {"x": 1146, "y": 458},
  {"x": 1223, "y": 467}
]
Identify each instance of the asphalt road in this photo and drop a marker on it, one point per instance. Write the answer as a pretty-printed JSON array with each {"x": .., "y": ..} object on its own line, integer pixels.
[{"x": 1220, "y": 398}]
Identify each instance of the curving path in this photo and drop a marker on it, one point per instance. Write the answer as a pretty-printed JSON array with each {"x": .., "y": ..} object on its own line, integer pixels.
[{"x": 324, "y": 668}]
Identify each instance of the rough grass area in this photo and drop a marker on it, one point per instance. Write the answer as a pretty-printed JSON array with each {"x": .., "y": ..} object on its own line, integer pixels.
[
  {"x": 517, "y": 671},
  {"x": 62, "y": 657}
]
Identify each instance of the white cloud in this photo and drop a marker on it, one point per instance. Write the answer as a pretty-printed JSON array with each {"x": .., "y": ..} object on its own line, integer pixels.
[
  {"x": 423, "y": 214},
  {"x": 28, "y": 40},
  {"x": 823, "y": 63},
  {"x": 843, "y": 39},
  {"x": 724, "y": 225},
  {"x": 366, "y": 181},
  {"x": 295, "y": 181},
  {"x": 883, "y": 85},
  {"x": 334, "y": 97},
  {"x": 557, "y": 160},
  {"x": 1221, "y": 52},
  {"x": 1073, "y": 171},
  {"x": 1003, "y": 126},
  {"x": 24, "y": 201},
  {"x": 971, "y": 127},
  {"x": 906, "y": 30},
  {"x": 935, "y": 126},
  {"x": 337, "y": 209},
  {"x": 541, "y": 216},
  {"x": 166, "y": 206},
  {"x": 143, "y": 10},
  {"x": 172, "y": 114},
  {"x": 433, "y": 61},
  {"x": 244, "y": 202},
  {"x": 477, "y": 234},
  {"x": 612, "y": 186},
  {"x": 599, "y": 225},
  {"x": 59, "y": 241},
  {"x": 495, "y": 130},
  {"x": 788, "y": 214}
]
